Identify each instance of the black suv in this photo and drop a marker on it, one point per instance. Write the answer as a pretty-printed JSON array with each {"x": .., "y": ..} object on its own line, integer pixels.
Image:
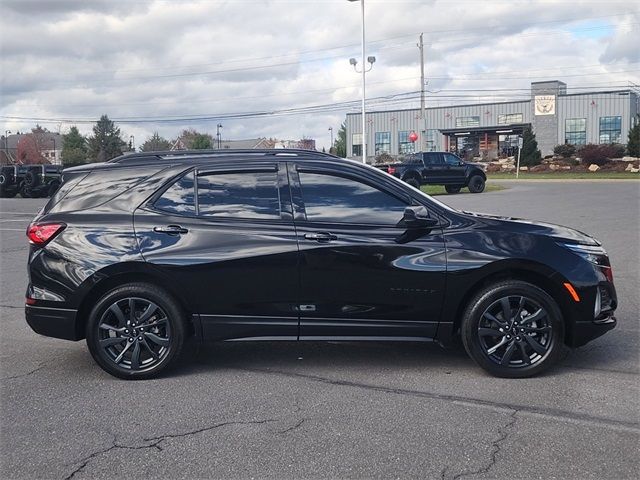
[
  {"x": 143, "y": 252},
  {"x": 30, "y": 181},
  {"x": 439, "y": 168}
]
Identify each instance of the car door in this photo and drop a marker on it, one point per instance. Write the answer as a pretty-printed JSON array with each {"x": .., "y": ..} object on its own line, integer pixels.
[
  {"x": 434, "y": 168},
  {"x": 225, "y": 234},
  {"x": 362, "y": 274},
  {"x": 455, "y": 169}
]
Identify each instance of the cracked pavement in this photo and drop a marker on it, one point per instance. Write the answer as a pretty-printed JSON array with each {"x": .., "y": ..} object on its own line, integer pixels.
[{"x": 327, "y": 410}]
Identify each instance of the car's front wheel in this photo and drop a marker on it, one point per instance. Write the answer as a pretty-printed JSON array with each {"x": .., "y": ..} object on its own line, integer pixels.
[
  {"x": 452, "y": 188},
  {"x": 136, "y": 331},
  {"x": 476, "y": 184},
  {"x": 513, "y": 329}
]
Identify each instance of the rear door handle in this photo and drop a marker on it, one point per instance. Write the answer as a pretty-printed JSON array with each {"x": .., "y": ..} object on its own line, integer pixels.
[
  {"x": 320, "y": 236},
  {"x": 171, "y": 230}
]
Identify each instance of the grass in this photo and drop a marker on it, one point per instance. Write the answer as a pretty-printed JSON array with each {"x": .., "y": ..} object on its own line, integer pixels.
[
  {"x": 565, "y": 176},
  {"x": 439, "y": 189}
]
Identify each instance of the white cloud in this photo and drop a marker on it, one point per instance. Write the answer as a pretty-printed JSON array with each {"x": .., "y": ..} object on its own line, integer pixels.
[{"x": 79, "y": 59}]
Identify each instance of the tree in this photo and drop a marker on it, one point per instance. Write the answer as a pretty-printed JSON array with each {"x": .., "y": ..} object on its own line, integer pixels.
[
  {"x": 530, "y": 155},
  {"x": 633, "y": 144},
  {"x": 155, "y": 143},
  {"x": 29, "y": 150},
  {"x": 202, "y": 142},
  {"x": 74, "y": 147},
  {"x": 106, "y": 142},
  {"x": 340, "y": 143}
]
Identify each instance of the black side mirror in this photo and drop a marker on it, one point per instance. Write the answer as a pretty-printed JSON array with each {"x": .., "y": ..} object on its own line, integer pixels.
[{"x": 418, "y": 217}]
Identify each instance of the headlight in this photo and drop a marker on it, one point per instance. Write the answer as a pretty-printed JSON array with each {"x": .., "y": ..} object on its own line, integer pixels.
[{"x": 594, "y": 254}]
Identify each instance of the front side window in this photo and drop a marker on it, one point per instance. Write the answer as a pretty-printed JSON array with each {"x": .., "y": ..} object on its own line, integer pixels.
[
  {"x": 610, "y": 129},
  {"x": 404, "y": 144},
  {"x": 575, "y": 131},
  {"x": 467, "y": 121},
  {"x": 333, "y": 199},
  {"x": 451, "y": 160},
  {"x": 383, "y": 142},
  {"x": 247, "y": 195},
  {"x": 179, "y": 198},
  {"x": 356, "y": 145}
]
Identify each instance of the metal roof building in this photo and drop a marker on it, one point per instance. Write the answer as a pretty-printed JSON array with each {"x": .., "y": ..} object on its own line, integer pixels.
[{"x": 492, "y": 129}]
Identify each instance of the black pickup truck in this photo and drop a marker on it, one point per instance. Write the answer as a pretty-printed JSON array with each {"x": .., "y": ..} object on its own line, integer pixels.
[
  {"x": 30, "y": 181},
  {"x": 438, "y": 168}
]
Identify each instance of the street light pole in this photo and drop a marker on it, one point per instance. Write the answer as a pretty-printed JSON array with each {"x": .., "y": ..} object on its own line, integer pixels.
[
  {"x": 218, "y": 127},
  {"x": 364, "y": 71},
  {"x": 6, "y": 143},
  {"x": 53, "y": 139},
  {"x": 331, "y": 133},
  {"x": 132, "y": 144}
]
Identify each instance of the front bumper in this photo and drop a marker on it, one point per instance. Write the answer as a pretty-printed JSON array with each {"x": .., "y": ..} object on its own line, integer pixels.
[
  {"x": 53, "y": 322},
  {"x": 584, "y": 332}
]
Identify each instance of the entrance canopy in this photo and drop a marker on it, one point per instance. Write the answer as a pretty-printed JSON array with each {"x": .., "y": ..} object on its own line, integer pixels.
[{"x": 490, "y": 142}]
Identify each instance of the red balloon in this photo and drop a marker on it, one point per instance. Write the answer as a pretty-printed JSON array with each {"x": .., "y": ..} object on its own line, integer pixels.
[{"x": 413, "y": 136}]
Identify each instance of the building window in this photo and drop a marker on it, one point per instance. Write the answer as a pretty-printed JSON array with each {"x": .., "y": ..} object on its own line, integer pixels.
[
  {"x": 404, "y": 144},
  {"x": 610, "y": 129},
  {"x": 467, "y": 121},
  {"x": 509, "y": 118},
  {"x": 575, "y": 131},
  {"x": 383, "y": 142},
  {"x": 356, "y": 145},
  {"x": 432, "y": 140}
]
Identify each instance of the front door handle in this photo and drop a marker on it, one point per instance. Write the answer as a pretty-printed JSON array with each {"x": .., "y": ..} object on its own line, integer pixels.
[
  {"x": 171, "y": 230},
  {"x": 320, "y": 236}
]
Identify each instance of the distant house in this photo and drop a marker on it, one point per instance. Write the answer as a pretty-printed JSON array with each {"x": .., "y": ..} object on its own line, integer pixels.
[{"x": 44, "y": 147}]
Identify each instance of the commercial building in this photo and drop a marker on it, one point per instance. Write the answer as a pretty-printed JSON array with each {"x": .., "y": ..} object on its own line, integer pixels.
[{"x": 492, "y": 129}]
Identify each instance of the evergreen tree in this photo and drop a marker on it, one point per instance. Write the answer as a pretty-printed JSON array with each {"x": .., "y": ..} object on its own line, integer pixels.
[
  {"x": 340, "y": 143},
  {"x": 74, "y": 147},
  {"x": 633, "y": 144},
  {"x": 106, "y": 142},
  {"x": 530, "y": 155},
  {"x": 155, "y": 143}
]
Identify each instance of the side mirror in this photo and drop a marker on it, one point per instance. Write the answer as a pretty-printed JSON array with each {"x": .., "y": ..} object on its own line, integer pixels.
[{"x": 418, "y": 217}]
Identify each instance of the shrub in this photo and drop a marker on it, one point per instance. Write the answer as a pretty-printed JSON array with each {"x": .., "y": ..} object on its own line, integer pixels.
[
  {"x": 565, "y": 151},
  {"x": 633, "y": 144},
  {"x": 600, "y": 154},
  {"x": 530, "y": 153},
  {"x": 383, "y": 158}
]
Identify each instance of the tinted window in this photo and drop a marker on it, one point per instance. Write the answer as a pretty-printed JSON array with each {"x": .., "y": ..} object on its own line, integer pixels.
[
  {"x": 328, "y": 198},
  {"x": 451, "y": 159},
  {"x": 239, "y": 195},
  {"x": 179, "y": 198},
  {"x": 433, "y": 159}
]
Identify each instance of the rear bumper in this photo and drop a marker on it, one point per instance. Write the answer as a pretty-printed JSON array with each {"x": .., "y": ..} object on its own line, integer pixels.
[{"x": 53, "y": 322}]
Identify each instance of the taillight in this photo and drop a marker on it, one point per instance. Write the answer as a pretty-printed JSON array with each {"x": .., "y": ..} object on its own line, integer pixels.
[
  {"x": 41, "y": 234},
  {"x": 608, "y": 272},
  {"x": 391, "y": 170}
]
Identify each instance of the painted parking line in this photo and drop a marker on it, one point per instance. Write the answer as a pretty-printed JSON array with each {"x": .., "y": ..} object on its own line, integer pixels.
[
  {"x": 13, "y": 230},
  {"x": 11, "y": 220}
]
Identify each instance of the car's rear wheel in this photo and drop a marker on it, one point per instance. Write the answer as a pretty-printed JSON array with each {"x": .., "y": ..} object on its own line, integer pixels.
[
  {"x": 452, "y": 188},
  {"x": 26, "y": 192},
  {"x": 513, "y": 329},
  {"x": 136, "y": 331},
  {"x": 476, "y": 184},
  {"x": 413, "y": 182}
]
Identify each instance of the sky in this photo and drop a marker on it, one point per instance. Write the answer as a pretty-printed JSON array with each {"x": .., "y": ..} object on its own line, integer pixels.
[{"x": 280, "y": 68}]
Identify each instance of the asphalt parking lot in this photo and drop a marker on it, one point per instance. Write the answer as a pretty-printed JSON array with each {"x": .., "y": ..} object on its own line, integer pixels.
[{"x": 326, "y": 410}]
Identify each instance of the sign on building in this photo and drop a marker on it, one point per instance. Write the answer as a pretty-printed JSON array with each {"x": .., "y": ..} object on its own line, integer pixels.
[{"x": 545, "y": 104}]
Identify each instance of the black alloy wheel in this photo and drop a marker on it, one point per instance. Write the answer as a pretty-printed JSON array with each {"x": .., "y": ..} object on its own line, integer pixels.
[
  {"x": 452, "y": 188},
  {"x": 135, "y": 331},
  {"x": 476, "y": 184},
  {"x": 413, "y": 182},
  {"x": 513, "y": 329}
]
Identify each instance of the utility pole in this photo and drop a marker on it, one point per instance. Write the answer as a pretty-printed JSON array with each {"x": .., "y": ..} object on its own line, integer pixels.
[
  {"x": 422, "y": 103},
  {"x": 218, "y": 135}
]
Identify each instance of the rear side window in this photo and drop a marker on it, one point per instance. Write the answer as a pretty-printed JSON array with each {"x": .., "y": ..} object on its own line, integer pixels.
[
  {"x": 433, "y": 159},
  {"x": 251, "y": 195},
  {"x": 179, "y": 198}
]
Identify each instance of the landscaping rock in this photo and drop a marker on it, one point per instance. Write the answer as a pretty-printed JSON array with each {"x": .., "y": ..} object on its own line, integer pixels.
[
  {"x": 566, "y": 167},
  {"x": 554, "y": 166},
  {"x": 629, "y": 168},
  {"x": 593, "y": 167},
  {"x": 524, "y": 169},
  {"x": 635, "y": 170}
]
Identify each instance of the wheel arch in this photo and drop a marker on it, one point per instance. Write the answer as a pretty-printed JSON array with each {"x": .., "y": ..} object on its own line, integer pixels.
[
  {"x": 110, "y": 277},
  {"x": 537, "y": 274}
]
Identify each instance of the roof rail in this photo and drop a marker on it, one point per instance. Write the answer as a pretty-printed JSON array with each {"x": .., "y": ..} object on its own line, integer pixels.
[{"x": 170, "y": 154}]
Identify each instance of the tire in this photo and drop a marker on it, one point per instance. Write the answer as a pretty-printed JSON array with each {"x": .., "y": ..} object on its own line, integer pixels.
[
  {"x": 25, "y": 191},
  {"x": 452, "y": 188},
  {"x": 413, "y": 182},
  {"x": 522, "y": 349},
  {"x": 114, "y": 343},
  {"x": 53, "y": 188},
  {"x": 31, "y": 178},
  {"x": 476, "y": 184}
]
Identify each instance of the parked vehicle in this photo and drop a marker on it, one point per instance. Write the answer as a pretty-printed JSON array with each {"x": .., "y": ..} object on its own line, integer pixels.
[
  {"x": 143, "y": 252},
  {"x": 30, "y": 181},
  {"x": 439, "y": 168}
]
